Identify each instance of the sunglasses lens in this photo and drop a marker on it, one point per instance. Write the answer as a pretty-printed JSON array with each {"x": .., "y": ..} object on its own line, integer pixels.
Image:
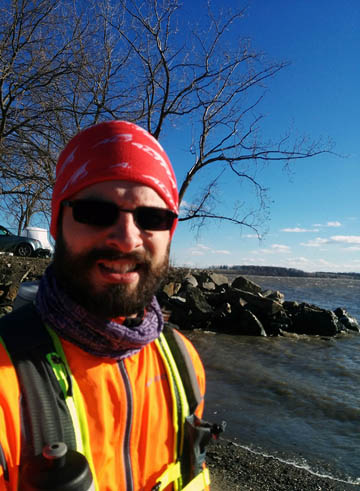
[
  {"x": 149, "y": 218},
  {"x": 105, "y": 214},
  {"x": 97, "y": 213}
]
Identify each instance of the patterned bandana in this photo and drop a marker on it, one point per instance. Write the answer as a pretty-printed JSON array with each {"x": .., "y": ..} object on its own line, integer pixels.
[
  {"x": 99, "y": 337},
  {"x": 114, "y": 150}
]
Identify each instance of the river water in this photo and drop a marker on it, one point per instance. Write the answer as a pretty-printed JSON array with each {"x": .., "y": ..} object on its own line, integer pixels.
[{"x": 297, "y": 398}]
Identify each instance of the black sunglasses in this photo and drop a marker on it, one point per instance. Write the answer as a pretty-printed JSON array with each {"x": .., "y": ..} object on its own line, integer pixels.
[{"x": 105, "y": 214}]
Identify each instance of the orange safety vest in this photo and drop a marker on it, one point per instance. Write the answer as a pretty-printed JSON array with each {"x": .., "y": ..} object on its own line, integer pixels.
[{"x": 126, "y": 412}]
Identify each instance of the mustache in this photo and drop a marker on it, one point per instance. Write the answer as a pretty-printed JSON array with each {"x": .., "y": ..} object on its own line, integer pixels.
[{"x": 113, "y": 255}]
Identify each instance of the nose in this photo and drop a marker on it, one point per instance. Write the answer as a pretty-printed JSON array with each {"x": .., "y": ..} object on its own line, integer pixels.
[{"x": 124, "y": 235}]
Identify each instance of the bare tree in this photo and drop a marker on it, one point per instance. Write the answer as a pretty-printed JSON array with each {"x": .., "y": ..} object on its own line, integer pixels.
[
  {"x": 207, "y": 78},
  {"x": 34, "y": 55},
  {"x": 144, "y": 62}
]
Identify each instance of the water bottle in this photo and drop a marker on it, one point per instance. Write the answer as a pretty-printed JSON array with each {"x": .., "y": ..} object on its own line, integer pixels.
[
  {"x": 26, "y": 293},
  {"x": 56, "y": 469}
]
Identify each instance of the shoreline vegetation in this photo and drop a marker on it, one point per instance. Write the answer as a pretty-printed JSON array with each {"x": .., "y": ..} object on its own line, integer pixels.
[
  {"x": 279, "y": 271},
  {"x": 235, "y": 468}
]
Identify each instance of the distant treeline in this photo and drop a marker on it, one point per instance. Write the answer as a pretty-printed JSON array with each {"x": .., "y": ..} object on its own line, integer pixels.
[{"x": 278, "y": 271}]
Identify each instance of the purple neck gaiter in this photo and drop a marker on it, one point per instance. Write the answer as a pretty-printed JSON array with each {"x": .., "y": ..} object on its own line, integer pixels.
[{"x": 97, "y": 336}]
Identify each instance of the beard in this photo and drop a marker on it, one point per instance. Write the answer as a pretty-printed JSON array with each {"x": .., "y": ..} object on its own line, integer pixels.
[{"x": 72, "y": 272}]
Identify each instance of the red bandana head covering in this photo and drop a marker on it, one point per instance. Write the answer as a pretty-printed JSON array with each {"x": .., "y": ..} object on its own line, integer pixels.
[{"x": 114, "y": 150}]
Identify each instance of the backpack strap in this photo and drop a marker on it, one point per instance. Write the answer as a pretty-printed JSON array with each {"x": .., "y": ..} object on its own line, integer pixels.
[
  {"x": 184, "y": 365},
  {"x": 193, "y": 434},
  {"x": 45, "y": 415}
]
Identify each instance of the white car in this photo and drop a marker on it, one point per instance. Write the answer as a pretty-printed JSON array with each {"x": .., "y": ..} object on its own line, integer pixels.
[{"x": 24, "y": 246}]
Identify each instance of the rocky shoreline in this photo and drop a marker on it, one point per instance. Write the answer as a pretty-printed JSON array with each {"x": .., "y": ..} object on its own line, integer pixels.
[
  {"x": 234, "y": 468},
  {"x": 213, "y": 302},
  {"x": 208, "y": 301}
]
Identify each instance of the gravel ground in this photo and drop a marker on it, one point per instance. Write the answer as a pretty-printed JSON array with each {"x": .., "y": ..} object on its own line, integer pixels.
[{"x": 234, "y": 468}]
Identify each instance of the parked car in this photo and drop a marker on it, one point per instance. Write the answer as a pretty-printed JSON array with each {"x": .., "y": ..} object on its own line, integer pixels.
[
  {"x": 40, "y": 234},
  {"x": 21, "y": 246}
]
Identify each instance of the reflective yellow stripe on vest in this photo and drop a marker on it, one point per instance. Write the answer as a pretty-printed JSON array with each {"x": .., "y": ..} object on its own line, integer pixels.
[
  {"x": 181, "y": 409},
  {"x": 180, "y": 412},
  {"x": 180, "y": 403},
  {"x": 200, "y": 482},
  {"x": 171, "y": 474},
  {"x": 74, "y": 403}
]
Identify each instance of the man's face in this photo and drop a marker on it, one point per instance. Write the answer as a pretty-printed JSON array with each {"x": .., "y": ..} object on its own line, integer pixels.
[{"x": 112, "y": 271}]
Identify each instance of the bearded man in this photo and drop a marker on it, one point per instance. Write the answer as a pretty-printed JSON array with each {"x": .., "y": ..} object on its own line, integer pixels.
[{"x": 114, "y": 212}]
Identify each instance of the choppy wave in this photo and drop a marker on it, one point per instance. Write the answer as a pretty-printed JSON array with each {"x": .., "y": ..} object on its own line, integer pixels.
[{"x": 294, "y": 398}]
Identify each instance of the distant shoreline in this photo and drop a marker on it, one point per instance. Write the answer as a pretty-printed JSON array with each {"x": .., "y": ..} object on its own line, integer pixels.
[{"x": 279, "y": 271}]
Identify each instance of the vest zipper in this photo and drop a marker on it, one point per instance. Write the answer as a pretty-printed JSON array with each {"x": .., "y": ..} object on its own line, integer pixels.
[{"x": 129, "y": 417}]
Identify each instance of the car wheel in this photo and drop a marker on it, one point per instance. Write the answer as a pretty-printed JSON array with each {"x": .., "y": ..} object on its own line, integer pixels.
[{"x": 23, "y": 250}]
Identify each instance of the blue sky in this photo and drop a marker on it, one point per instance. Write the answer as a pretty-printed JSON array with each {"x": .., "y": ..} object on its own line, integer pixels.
[
  {"x": 314, "y": 212},
  {"x": 314, "y": 221}
]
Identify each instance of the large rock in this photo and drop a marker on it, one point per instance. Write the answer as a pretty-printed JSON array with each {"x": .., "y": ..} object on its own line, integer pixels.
[
  {"x": 190, "y": 280},
  {"x": 179, "y": 313},
  {"x": 278, "y": 323},
  {"x": 171, "y": 288},
  {"x": 274, "y": 295},
  {"x": 311, "y": 320},
  {"x": 211, "y": 281},
  {"x": 218, "y": 279},
  {"x": 242, "y": 283},
  {"x": 259, "y": 305},
  {"x": 197, "y": 304},
  {"x": 208, "y": 286},
  {"x": 246, "y": 323},
  {"x": 349, "y": 322}
]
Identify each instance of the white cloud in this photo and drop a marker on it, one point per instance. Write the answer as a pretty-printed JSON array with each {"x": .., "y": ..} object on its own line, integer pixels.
[
  {"x": 203, "y": 247},
  {"x": 202, "y": 250},
  {"x": 298, "y": 230},
  {"x": 274, "y": 249},
  {"x": 315, "y": 242},
  {"x": 334, "y": 239},
  {"x": 195, "y": 252},
  {"x": 334, "y": 223},
  {"x": 299, "y": 260},
  {"x": 346, "y": 239},
  {"x": 315, "y": 228},
  {"x": 305, "y": 263},
  {"x": 280, "y": 248},
  {"x": 324, "y": 262}
]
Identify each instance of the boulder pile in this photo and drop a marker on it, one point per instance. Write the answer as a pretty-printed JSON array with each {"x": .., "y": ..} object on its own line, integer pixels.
[{"x": 209, "y": 301}]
